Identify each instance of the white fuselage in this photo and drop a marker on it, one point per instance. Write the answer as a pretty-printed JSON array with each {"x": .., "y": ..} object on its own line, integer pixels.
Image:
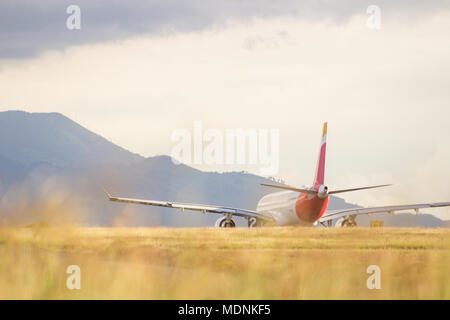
[{"x": 280, "y": 206}]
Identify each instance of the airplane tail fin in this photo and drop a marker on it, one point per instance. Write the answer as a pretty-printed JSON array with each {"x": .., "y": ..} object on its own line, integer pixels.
[
  {"x": 319, "y": 179},
  {"x": 320, "y": 170}
]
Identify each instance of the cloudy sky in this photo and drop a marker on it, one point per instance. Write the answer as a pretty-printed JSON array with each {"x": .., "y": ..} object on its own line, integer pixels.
[{"x": 136, "y": 71}]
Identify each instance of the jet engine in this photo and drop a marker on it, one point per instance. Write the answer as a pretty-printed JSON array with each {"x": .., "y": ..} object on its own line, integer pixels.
[{"x": 225, "y": 222}]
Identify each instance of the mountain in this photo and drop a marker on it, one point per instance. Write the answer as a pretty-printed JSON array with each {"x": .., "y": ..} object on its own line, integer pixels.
[
  {"x": 54, "y": 170},
  {"x": 31, "y": 138}
]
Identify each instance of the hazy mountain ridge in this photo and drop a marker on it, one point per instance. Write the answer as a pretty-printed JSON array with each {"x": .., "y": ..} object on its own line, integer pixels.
[
  {"x": 49, "y": 161},
  {"x": 52, "y": 138}
]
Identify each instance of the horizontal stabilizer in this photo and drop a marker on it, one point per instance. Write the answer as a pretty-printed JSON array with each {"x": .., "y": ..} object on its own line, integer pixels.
[
  {"x": 356, "y": 189},
  {"x": 289, "y": 188},
  {"x": 311, "y": 191}
]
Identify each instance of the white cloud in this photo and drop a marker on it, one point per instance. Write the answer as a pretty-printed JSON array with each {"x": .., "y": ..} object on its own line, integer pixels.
[{"x": 385, "y": 93}]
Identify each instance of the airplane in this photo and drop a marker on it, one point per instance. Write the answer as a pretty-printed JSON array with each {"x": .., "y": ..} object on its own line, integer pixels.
[{"x": 292, "y": 206}]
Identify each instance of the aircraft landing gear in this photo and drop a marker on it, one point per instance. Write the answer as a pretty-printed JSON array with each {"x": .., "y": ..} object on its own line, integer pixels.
[
  {"x": 254, "y": 223},
  {"x": 346, "y": 222}
]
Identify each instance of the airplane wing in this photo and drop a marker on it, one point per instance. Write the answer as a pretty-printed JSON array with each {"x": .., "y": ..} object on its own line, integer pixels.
[
  {"x": 335, "y": 214},
  {"x": 194, "y": 207}
]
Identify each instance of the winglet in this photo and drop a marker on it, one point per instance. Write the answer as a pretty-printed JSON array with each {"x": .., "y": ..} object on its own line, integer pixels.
[{"x": 107, "y": 194}]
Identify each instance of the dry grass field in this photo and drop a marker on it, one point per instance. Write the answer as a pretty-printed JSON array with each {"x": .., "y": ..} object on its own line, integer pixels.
[{"x": 209, "y": 263}]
